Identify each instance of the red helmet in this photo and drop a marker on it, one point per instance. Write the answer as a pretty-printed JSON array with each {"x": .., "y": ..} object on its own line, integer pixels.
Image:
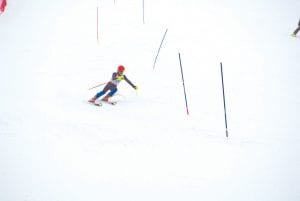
[{"x": 121, "y": 68}]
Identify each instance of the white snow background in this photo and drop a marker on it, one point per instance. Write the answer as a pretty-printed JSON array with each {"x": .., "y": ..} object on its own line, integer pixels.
[{"x": 56, "y": 147}]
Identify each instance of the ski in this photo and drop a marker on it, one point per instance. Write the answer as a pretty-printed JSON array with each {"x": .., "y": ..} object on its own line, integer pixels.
[
  {"x": 109, "y": 102},
  {"x": 95, "y": 104},
  {"x": 99, "y": 103}
]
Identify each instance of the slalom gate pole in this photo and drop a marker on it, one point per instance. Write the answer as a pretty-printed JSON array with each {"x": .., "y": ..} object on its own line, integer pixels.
[
  {"x": 97, "y": 24},
  {"x": 224, "y": 100},
  {"x": 160, "y": 48},
  {"x": 186, "y": 104},
  {"x": 98, "y": 85},
  {"x": 143, "y": 11}
]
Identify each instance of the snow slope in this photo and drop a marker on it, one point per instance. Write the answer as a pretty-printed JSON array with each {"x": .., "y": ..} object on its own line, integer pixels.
[{"x": 56, "y": 147}]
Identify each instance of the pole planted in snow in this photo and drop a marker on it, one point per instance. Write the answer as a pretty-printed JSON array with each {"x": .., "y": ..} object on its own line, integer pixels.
[
  {"x": 186, "y": 104},
  {"x": 224, "y": 103},
  {"x": 160, "y": 47}
]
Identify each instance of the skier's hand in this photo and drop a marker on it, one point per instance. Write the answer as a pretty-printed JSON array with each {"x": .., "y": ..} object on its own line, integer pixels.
[
  {"x": 135, "y": 87},
  {"x": 120, "y": 77}
]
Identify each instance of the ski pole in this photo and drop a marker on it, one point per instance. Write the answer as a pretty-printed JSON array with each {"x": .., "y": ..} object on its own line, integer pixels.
[{"x": 98, "y": 85}]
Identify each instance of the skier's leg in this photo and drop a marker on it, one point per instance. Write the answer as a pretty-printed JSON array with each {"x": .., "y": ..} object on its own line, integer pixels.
[
  {"x": 110, "y": 94},
  {"x": 99, "y": 94}
]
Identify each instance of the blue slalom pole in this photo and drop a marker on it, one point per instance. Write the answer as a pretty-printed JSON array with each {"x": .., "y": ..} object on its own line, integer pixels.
[
  {"x": 186, "y": 104},
  {"x": 224, "y": 103}
]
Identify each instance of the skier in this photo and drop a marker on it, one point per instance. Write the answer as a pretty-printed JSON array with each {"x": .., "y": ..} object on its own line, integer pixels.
[
  {"x": 296, "y": 30},
  {"x": 111, "y": 86}
]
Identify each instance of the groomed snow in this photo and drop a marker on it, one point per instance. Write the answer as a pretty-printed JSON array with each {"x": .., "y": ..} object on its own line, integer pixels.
[{"x": 54, "y": 146}]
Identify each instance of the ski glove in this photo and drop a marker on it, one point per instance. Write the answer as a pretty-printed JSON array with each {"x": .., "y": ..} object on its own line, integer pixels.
[{"x": 121, "y": 77}]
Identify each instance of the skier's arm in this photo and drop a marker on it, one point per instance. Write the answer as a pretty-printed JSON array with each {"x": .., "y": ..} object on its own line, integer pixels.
[
  {"x": 129, "y": 82},
  {"x": 114, "y": 76}
]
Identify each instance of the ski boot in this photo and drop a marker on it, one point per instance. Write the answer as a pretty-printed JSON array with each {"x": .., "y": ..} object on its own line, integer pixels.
[
  {"x": 92, "y": 100},
  {"x": 106, "y": 98}
]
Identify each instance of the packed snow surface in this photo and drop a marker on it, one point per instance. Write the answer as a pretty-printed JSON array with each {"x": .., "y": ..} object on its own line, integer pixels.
[{"x": 54, "y": 146}]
